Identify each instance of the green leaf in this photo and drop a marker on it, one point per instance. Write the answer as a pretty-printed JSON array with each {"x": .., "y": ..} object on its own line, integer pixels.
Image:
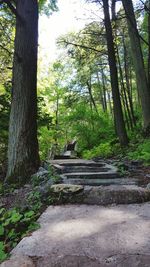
[
  {"x": 1, "y": 230},
  {"x": 3, "y": 255},
  {"x": 11, "y": 234},
  {"x": 33, "y": 226},
  {"x": 29, "y": 214},
  {"x": 2, "y": 210},
  {"x": 16, "y": 217}
]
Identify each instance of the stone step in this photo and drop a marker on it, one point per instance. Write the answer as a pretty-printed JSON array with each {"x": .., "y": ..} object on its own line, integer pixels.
[
  {"x": 102, "y": 195},
  {"x": 59, "y": 157},
  {"x": 78, "y": 169},
  {"x": 90, "y": 175},
  {"x": 104, "y": 182},
  {"x": 82, "y": 164}
]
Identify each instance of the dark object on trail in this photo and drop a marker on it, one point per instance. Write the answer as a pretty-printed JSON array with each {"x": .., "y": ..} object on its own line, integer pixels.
[{"x": 71, "y": 146}]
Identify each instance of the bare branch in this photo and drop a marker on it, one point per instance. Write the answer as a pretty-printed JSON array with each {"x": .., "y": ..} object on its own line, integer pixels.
[{"x": 82, "y": 46}]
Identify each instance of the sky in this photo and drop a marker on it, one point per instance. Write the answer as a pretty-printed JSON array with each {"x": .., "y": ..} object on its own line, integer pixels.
[{"x": 72, "y": 16}]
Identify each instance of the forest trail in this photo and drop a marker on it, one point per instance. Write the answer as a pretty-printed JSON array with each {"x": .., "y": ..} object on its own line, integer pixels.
[
  {"x": 97, "y": 235},
  {"x": 87, "y": 236},
  {"x": 90, "y": 182}
]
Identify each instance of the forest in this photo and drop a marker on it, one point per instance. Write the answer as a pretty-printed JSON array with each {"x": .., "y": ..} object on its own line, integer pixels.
[{"x": 96, "y": 92}]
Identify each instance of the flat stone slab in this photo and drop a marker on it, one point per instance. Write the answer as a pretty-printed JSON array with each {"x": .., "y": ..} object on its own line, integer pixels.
[
  {"x": 83, "y": 169},
  {"x": 76, "y": 162},
  {"x": 90, "y": 175},
  {"x": 98, "y": 182},
  {"x": 69, "y": 161},
  {"x": 90, "y": 236},
  {"x": 102, "y": 195}
]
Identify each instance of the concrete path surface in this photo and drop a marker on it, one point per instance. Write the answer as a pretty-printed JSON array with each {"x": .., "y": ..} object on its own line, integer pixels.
[{"x": 90, "y": 236}]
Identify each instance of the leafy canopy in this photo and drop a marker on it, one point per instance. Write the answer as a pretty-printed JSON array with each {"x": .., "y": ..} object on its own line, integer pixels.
[{"x": 47, "y": 6}]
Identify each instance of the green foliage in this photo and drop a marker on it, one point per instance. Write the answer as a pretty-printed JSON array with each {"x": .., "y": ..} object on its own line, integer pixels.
[
  {"x": 4, "y": 121},
  {"x": 44, "y": 119},
  {"x": 45, "y": 141},
  {"x": 35, "y": 201},
  {"x": 89, "y": 127},
  {"x": 7, "y": 33},
  {"x": 47, "y": 6},
  {"x": 140, "y": 151},
  {"x": 3, "y": 255},
  {"x": 103, "y": 150},
  {"x": 14, "y": 224},
  {"x": 53, "y": 174}
]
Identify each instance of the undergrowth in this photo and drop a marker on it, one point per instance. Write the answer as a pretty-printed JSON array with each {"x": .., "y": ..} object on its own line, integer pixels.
[
  {"x": 136, "y": 150},
  {"x": 14, "y": 225},
  {"x": 20, "y": 221}
]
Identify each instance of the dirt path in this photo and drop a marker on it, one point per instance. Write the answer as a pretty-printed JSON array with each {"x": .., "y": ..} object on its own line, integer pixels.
[{"x": 90, "y": 236}]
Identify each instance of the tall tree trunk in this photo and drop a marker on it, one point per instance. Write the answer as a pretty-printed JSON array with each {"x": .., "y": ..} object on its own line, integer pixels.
[
  {"x": 91, "y": 95},
  {"x": 110, "y": 105},
  {"x": 128, "y": 85},
  {"x": 148, "y": 24},
  {"x": 118, "y": 114},
  {"x": 104, "y": 90},
  {"x": 142, "y": 84},
  {"x": 23, "y": 157},
  {"x": 124, "y": 95},
  {"x": 101, "y": 93}
]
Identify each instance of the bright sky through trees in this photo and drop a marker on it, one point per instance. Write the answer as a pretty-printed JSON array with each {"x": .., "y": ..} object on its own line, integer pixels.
[{"x": 72, "y": 16}]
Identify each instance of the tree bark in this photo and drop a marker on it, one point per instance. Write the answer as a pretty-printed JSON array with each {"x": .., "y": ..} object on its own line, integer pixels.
[
  {"x": 91, "y": 95},
  {"x": 142, "y": 84},
  {"x": 127, "y": 68},
  {"x": 118, "y": 114},
  {"x": 104, "y": 90},
  {"x": 23, "y": 157},
  {"x": 124, "y": 95},
  {"x": 148, "y": 22}
]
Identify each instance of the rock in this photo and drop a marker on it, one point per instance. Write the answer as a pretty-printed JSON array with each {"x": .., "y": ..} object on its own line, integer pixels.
[
  {"x": 148, "y": 186},
  {"x": 67, "y": 188},
  {"x": 104, "y": 195},
  {"x": 90, "y": 236},
  {"x": 16, "y": 191},
  {"x": 115, "y": 194},
  {"x": 45, "y": 188},
  {"x": 18, "y": 261},
  {"x": 27, "y": 186},
  {"x": 41, "y": 176}
]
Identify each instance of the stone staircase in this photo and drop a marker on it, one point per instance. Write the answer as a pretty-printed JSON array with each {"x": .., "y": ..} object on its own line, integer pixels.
[{"x": 88, "y": 172}]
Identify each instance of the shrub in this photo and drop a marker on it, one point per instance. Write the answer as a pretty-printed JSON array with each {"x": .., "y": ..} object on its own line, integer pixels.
[
  {"x": 103, "y": 150},
  {"x": 141, "y": 152}
]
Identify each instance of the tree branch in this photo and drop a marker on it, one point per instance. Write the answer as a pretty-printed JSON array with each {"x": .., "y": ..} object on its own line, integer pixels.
[
  {"x": 11, "y": 7},
  {"x": 82, "y": 46},
  {"x": 4, "y": 48}
]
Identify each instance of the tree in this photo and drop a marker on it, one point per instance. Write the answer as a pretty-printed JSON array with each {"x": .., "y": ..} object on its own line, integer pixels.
[
  {"x": 118, "y": 114},
  {"x": 23, "y": 156},
  {"x": 142, "y": 83}
]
